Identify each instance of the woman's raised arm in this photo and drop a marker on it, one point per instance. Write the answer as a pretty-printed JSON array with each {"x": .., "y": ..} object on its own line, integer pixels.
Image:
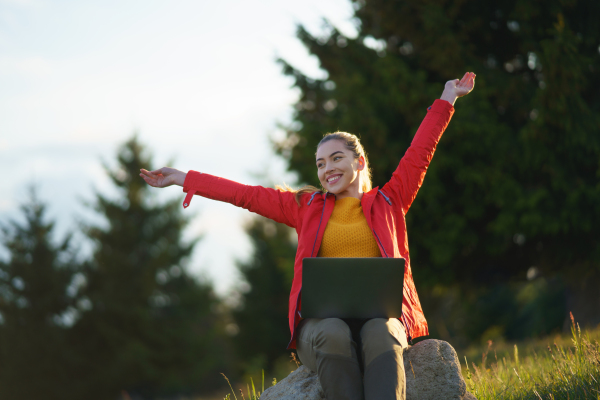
[{"x": 409, "y": 175}]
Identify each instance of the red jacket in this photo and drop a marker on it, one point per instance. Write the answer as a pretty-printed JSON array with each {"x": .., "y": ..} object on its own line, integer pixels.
[{"x": 384, "y": 210}]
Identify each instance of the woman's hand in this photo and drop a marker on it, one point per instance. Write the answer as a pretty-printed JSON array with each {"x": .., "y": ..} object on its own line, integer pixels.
[
  {"x": 458, "y": 88},
  {"x": 163, "y": 177}
]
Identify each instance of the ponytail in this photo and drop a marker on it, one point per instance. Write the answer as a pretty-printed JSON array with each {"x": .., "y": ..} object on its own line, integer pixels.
[{"x": 298, "y": 192}]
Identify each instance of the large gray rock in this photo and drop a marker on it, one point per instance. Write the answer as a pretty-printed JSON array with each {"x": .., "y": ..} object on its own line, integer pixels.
[
  {"x": 301, "y": 384},
  {"x": 432, "y": 372}
]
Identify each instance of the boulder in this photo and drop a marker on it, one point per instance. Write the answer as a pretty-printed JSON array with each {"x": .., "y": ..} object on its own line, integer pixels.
[
  {"x": 301, "y": 384},
  {"x": 431, "y": 367},
  {"x": 433, "y": 372}
]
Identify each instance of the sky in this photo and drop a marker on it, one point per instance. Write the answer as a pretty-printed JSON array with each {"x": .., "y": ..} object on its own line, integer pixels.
[{"x": 197, "y": 80}]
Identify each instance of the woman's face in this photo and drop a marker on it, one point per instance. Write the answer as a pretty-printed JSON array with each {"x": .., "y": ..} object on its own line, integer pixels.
[{"x": 338, "y": 170}]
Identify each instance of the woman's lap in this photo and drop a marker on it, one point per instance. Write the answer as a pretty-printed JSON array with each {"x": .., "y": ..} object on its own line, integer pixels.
[{"x": 334, "y": 336}]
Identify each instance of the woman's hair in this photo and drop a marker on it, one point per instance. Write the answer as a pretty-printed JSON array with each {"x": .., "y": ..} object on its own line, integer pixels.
[{"x": 352, "y": 143}]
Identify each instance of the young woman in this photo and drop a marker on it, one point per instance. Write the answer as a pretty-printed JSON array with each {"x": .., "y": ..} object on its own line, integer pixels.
[{"x": 347, "y": 218}]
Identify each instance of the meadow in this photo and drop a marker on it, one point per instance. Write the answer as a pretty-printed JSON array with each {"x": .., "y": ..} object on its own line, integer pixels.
[{"x": 554, "y": 368}]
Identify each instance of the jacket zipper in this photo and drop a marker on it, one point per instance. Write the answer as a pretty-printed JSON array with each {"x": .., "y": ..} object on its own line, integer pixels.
[
  {"x": 409, "y": 337},
  {"x": 311, "y": 254},
  {"x": 375, "y": 233},
  {"x": 319, "y": 228}
]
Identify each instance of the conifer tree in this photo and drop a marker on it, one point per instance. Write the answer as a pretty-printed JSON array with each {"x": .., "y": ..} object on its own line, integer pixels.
[
  {"x": 513, "y": 188},
  {"x": 262, "y": 320},
  {"x": 150, "y": 330},
  {"x": 38, "y": 304}
]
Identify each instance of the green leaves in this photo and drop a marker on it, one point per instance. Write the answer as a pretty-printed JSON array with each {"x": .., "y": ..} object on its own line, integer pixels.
[
  {"x": 151, "y": 322},
  {"x": 39, "y": 303},
  {"x": 520, "y": 159}
]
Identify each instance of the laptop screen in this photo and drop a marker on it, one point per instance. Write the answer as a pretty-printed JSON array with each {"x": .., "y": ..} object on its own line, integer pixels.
[{"x": 352, "y": 287}]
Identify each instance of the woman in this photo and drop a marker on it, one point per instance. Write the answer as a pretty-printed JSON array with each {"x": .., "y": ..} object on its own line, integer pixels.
[{"x": 346, "y": 219}]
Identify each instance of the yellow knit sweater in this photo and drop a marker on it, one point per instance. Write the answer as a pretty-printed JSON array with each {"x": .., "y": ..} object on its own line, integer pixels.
[{"x": 347, "y": 233}]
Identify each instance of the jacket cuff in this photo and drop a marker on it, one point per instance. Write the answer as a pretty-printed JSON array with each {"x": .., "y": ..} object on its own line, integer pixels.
[
  {"x": 440, "y": 105},
  {"x": 192, "y": 181}
]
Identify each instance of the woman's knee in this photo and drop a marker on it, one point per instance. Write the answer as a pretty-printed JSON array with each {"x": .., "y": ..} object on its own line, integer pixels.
[
  {"x": 333, "y": 337},
  {"x": 389, "y": 330},
  {"x": 380, "y": 335}
]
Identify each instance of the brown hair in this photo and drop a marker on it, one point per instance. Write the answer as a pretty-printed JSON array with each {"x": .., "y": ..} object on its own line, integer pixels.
[{"x": 352, "y": 143}]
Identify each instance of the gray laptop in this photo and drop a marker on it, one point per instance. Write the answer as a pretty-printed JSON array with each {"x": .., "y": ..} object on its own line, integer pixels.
[{"x": 352, "y": 287}]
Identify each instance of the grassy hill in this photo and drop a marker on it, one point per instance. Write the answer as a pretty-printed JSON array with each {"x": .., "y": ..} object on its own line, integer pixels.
[{"x": 559, "y": 367}]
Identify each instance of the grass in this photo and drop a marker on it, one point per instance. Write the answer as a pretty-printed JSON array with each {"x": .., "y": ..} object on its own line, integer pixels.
[
  {"x": 252, "y": 395},
  {"x": 568, "y": 368},
  {"x": 564, "y": 367}
]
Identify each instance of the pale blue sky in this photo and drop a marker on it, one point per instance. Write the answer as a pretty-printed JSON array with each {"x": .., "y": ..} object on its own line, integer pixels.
[{"x": 197, "y": 79}]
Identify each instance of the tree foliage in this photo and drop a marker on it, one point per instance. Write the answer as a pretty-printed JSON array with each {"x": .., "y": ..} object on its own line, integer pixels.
[
  {"x": 150, "y": 329},
  {"x": 514, "y": 182},
  {"x": 131, "y": 321},
  {"x": 38, "y": 303},
  {"x": 263, "y": 316}
]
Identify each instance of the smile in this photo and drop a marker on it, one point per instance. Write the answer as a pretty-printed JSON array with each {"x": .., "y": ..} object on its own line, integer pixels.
[{"x": 333, "y": 179}]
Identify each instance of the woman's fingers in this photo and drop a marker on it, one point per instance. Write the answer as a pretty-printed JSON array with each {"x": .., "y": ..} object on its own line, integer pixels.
[
  {"x": 160, "y": 178},
  {"x": 147, "y": 173},
  {"x": 465, "y": 80},
  {"x": 468, "y": 81},
  {"x": 149, "y": 181},
  {"x": 157, "y": 172},
  {"x": 465, "y": 85},
  {"x": 472, "y": 80},
  {"x": 150, "y": 177}
]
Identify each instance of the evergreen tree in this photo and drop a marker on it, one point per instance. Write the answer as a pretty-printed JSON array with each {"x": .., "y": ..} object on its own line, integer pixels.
[
  {"x": 38, "y": 300},
  {"x": 150, "y": 330},
  {"x": 263, "y": 318},
  {"x": 514, "y": 182}
]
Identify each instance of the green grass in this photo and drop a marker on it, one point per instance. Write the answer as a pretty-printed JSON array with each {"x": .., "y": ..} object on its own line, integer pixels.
[
  {"x": 252, "y": 394},
  {"x": 282, "y": 368},
  {"x": 565, "y": 368},
  {"x": 561, "y": 367}
]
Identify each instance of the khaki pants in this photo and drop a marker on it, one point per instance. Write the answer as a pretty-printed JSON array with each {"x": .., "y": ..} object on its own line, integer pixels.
[{"x": 340, "y": 350}]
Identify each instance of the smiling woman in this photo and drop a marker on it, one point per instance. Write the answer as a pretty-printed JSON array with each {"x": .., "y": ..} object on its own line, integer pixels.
[{"x": 347, "y": 218}]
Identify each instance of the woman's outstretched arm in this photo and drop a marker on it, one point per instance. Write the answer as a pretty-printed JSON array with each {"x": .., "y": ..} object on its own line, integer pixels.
[
  {"x": 409, "y": 175},
  {"x": 271, "y": 203}
]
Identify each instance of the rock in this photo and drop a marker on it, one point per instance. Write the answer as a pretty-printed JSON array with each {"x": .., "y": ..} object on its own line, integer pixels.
[
  {"x": 433, "y": 372},
  {"x": 431, "y": 367},
  {"x": 469, "y": 396},
  {"x": 301, "y": 384}
]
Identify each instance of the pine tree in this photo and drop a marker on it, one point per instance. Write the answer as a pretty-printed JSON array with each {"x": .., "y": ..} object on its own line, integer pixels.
[
  {"x": 262, "y": 320},
  {"x": 38, "y": 304},
  {"x": 514, "y": 182},
  {"x": 150, "y": 330}
]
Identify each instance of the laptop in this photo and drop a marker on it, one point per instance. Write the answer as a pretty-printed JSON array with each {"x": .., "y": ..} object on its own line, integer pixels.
[{"x": 352, "y": 287}]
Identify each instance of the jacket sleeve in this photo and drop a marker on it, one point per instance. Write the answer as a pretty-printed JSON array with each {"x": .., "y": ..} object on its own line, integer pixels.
[
  {"x": 271, "y": 203},
  {"x": 409, "y": 175}
]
